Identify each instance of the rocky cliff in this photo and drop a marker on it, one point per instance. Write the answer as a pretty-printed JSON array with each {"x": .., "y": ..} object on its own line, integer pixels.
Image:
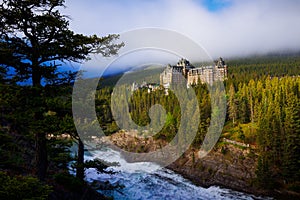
[{"x": 227, "y": 165}]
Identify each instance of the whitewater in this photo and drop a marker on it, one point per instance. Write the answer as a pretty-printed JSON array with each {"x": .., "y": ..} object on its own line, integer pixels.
[{"x": 146, "y": 180}]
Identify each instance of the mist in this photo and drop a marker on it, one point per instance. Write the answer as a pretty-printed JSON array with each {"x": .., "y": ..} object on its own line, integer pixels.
[{"x": 239, "y": 28}]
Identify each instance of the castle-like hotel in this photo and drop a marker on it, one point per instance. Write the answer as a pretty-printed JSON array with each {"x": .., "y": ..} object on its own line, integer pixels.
[{"x": 185, "y": 72}]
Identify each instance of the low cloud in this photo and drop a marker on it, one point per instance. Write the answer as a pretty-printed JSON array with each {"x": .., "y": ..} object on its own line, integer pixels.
[{"x": 239, "y": 28}]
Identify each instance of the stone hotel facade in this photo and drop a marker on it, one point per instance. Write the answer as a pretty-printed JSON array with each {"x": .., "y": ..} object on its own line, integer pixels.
[{"x": 185, "y": 72}]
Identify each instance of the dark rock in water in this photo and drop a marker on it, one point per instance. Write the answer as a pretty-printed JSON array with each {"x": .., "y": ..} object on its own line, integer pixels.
[{"x": 105, "y": 185}]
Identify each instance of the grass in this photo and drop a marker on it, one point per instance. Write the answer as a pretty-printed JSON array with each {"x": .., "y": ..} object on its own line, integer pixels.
[{"x": 245, "y": 133}]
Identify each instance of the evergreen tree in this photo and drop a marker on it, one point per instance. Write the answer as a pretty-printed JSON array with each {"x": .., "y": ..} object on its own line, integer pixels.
[
  {"x": 35, "y": 37},
  {"x": 232, "y": 105},
  {"x": 291, "y": 152}
]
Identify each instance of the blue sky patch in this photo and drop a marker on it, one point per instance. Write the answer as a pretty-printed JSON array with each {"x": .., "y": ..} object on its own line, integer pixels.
[{"x": 215, "y": 5}]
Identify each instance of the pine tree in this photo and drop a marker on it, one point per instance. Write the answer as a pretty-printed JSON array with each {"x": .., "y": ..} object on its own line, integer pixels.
[
  {"x": 36, "y": 38},
  {"x": 232, "y": 105},
  {"x": 291, "y": 152}
]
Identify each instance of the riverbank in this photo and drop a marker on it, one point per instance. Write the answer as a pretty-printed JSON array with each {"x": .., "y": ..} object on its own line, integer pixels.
[
  {"x": 133, "y": 181},
  {"x": 227, "y": 165}
]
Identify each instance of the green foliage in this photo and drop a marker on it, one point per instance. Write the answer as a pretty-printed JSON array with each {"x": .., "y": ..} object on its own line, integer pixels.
[
  {"x": 69, "y": 181},
  {"x": 265, "y": 178},
  {"x": 224, "y": 149},
  {"x": 232, "y": 105},
  {"x": 18, "y": 113},
  {"x": 10, "y": 152},
  {"x": 242, "y": 70},
  {"x": 103, "y": 110},
  {"x": 263, "y": 110},
  {"x": 35, "y": 39},
  {"x": 291, "y": 148},
  {"x": 278, "y": 127},
  {"x": 22, "y": 187},
  {"x": 35, "y": 36},
  {"x": 142, "y": 101}
]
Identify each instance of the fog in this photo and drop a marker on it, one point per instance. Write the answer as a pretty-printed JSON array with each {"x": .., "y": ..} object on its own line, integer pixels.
[{"x": 235, "y": 28}]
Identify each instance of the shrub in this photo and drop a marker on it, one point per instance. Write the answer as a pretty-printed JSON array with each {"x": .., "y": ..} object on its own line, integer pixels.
[
  {"x": 68, "y": 181},
  {"x": 22, "y": 187}
]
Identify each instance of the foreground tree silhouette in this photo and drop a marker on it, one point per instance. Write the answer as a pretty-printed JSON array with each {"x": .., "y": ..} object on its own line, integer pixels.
[{"x": 35, "y": 40}]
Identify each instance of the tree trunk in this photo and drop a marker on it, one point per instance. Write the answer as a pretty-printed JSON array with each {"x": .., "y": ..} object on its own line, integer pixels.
[
  {"x": 36, "y": 76},
  {"x": 80, "y": 161},
  {"x": 40, "y": 141},
  {"x": 41, "y": 156}
]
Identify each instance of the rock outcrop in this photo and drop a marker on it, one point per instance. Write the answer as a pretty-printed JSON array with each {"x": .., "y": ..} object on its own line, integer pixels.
[{"x": 228, "y": 165}]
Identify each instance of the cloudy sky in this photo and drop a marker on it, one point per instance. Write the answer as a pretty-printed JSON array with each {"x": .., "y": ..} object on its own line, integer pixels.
[{"x": 223, "y": 27}]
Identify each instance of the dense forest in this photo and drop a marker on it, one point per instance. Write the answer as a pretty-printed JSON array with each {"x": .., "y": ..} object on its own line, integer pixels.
[{"x": 263, "y": 110}]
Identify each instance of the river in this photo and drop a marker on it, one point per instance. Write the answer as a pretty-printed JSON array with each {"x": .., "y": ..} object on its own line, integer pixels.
[{"x": 137, "y": 183}]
